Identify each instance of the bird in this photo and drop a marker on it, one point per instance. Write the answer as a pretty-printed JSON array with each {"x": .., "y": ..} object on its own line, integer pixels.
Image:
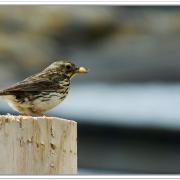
[{"x": 42, "y": 91}]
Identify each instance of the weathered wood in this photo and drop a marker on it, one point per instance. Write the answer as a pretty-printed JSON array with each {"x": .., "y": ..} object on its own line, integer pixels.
[{"x": 37, "y": 145}]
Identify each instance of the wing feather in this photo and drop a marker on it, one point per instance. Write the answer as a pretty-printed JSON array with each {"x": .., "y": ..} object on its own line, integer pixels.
[{"x": 34, "y": 83}]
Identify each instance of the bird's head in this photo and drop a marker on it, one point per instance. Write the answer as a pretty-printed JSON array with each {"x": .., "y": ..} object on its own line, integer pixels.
[{"x": 67, "y": 68}]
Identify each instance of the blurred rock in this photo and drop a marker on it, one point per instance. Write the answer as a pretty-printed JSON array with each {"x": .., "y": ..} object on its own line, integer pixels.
[{"x": 116, "y": 43}]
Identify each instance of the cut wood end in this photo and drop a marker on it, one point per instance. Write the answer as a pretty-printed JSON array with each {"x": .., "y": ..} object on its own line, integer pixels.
[{"x": 24, "y": 118}]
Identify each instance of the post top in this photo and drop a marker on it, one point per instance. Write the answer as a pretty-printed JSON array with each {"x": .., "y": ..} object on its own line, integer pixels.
[{"x": 10, "y": 117}]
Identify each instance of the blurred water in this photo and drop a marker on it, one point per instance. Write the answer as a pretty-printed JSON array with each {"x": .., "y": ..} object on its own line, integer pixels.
[
  {"x": 90, "y": 171},
  {"x": 146, "y": 104}
]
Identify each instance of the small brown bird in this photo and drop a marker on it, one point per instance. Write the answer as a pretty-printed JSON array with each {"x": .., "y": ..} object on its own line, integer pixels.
[{"x": 43, "y": 91}]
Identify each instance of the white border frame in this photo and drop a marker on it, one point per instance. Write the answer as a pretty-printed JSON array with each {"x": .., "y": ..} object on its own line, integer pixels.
[
  {"x": 126, "y": 177},
  {"x": 103, "y": 3},
  {"x": 91, "y": 2}
]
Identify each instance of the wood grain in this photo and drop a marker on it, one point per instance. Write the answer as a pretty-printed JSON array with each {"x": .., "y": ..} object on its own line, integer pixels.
[{"x": 37, "y": 145}]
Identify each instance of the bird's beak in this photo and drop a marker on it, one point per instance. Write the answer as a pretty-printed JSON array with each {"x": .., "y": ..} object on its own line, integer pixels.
[{"x": 82, "y": 70}]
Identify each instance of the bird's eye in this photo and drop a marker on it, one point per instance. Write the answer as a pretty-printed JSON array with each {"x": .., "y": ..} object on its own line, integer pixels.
[{"x": 68, "y": 67}]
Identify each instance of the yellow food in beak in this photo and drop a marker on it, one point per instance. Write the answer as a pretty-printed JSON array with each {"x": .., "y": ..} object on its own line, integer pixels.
[{"x": 82, "y": 70}]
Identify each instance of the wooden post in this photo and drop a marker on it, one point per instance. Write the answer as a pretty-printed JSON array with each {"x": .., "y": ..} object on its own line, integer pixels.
[{"x": 37, "y": 145}]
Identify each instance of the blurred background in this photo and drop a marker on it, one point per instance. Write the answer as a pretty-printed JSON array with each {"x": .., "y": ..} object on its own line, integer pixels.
[{"x": 128, "y": 106}]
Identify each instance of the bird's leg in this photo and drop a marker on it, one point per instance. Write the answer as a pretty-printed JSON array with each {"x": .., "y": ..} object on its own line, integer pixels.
[
  {"x": 24, "y": 114},
  {"x": 42, "y": 115},
  {"x": 39, "y": 114}
]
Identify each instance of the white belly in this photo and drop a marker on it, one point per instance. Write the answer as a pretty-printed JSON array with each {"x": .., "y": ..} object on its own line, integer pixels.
[
  {"x": 44, "y": 106},
  {"x": 38, "y": 105},
  {"x": 12, "y": 102}
]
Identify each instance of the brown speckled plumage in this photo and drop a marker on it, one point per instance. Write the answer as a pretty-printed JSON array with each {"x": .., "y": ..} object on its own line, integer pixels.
[{"x": 43, "y": 91}]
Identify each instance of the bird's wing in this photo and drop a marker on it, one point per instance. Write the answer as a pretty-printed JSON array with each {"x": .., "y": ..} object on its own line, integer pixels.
[{"x": 33, "y": 84}]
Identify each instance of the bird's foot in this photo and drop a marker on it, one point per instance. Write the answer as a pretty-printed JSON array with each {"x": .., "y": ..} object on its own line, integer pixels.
[
  {"x": 41, "y": 114},
  {"x": 24, "y": 114}
]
